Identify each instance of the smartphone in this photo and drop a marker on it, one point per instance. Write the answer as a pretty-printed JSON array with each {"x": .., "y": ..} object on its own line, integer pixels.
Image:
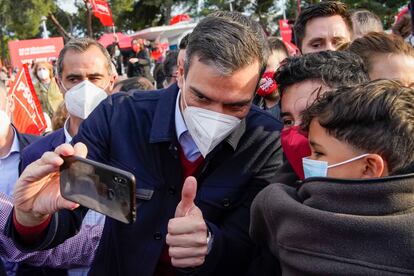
[{"x": 105, "y": 189}]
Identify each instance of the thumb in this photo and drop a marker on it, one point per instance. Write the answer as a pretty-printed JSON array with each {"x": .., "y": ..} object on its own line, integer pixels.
[
  {"x": 81, "y": 150},
  {"x": 188, "y": 195}
]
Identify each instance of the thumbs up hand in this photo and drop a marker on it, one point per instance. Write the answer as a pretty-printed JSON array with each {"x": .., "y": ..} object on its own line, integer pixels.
[{"x": 187, "y": 231}]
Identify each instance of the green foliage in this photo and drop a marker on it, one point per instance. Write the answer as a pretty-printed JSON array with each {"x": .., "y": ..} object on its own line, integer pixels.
[
  {"x": 138, "y": 14},
  {"x": 21, "y": 19},
  {"x": 386, "y": 10}
]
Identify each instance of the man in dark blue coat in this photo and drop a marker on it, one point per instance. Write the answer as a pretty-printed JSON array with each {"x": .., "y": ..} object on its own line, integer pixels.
[{"x": 200, "y": 154}]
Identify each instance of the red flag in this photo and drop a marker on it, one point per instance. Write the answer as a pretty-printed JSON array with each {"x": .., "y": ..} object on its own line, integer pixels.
[
  {"x": 102, "y": 11},
  {"x": 27, "y": 115},
  {"x": 180, "y": 18},
  {"x": 285, "y": 30}
]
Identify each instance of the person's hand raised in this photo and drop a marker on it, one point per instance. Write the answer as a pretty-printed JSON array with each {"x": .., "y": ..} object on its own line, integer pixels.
[
  {"x": 37, "y": 191},
  {"x": 187, "y": 231}
]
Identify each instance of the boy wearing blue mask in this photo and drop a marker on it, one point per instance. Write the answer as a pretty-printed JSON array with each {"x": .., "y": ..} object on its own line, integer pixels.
[{"x": 354, "y": 212}]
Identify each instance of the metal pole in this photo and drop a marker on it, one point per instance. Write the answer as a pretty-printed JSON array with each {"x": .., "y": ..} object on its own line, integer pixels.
[
  {"x": 199, "y": 5},
  {"x": 284, "y": 9},
  {"x": 231, "y": 4},
  {"x": 44, "y": 34}
]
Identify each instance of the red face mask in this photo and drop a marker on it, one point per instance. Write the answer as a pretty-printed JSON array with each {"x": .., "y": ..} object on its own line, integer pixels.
[
  {"x": 268, "y": 84},
  {"x": 135, "y": 48},
  {"x": 295, "y": 146}
]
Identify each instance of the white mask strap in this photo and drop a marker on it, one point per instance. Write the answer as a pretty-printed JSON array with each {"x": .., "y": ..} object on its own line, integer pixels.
[{"x": 348, "y": 161}]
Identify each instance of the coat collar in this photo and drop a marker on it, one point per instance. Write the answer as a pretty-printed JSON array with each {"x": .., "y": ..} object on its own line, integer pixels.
[
  {"x": 163, "y": 125},
  {"x": 59, "y": 137},
  {"x": 376, "y": 196}
]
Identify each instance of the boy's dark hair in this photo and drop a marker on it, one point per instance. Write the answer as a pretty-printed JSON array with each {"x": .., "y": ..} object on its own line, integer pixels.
[
  {"x": 276, "y": 44},
  {"x": 334, "y": 68},
  {"x": 379, "y": 43},
  {"x": 229, "y": 41},
  {"x": 135, "y": 83},
  {"x": 375, "y": 117},
  {"x": 322, "y": 9},
  {"x": 184, "y": 42},
  {"x": 169, "y": 66}
]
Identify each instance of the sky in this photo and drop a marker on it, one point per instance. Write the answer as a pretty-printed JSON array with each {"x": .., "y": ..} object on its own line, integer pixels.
[{"x": 67, "y": 5}]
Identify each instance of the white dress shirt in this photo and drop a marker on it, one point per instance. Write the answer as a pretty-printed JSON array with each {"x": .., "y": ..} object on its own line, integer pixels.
[{"x": 9, "y": 167}]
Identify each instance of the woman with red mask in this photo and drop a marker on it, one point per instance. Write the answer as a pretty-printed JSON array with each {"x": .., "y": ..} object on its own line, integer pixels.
[
  {"x": 139, "y": 65},
  {"x": 267, "y": 95}
]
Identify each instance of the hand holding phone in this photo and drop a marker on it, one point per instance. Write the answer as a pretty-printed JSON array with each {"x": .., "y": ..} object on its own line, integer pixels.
[
  {"x": 37, "y": 191},
  {"x": 105, "y": 189}
]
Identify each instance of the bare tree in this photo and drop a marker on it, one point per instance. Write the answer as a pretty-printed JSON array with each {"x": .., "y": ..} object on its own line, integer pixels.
[{"x": 88, "y": 18}]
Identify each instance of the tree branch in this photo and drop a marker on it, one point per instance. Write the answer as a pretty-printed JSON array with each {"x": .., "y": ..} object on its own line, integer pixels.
[
  {"x": 88, "y": 19},
  {"x": 62, "y": 31}
]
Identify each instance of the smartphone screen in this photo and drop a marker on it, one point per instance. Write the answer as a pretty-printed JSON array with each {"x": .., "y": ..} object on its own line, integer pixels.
[{"x": 100, "y": 187}]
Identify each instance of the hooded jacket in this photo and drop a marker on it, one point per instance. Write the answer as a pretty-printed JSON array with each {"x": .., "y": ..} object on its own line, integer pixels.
[{"x": 338, "y": 227}]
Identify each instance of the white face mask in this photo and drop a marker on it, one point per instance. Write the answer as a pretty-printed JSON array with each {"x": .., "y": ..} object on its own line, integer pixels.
[
  {"x": 43, "y": 74},
  {"x": 83, "y": 98},
  {"x": 206, "y": 127}
]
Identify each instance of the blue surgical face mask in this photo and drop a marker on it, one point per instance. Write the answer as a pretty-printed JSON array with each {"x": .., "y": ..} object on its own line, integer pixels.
[{"x": 316, "y": 168}]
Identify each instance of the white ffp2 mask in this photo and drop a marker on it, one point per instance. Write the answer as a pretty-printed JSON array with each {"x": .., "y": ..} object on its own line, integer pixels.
[
  {"x": 83, "y": 98},
  {"x": 208, "y": 128}
]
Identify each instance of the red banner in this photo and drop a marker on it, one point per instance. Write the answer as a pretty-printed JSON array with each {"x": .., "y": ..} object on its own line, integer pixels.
[
  {"x": 27, "y": 115},
  {"x": 102, "y": 11},
  {"x": 26, "y": 51}
]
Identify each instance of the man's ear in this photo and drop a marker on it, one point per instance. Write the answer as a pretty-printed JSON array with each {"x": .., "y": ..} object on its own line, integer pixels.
[
  {"x": 180, "y": 76},
  {"x": 374, "y": 166},
  {"x": 112, "y": 79}
]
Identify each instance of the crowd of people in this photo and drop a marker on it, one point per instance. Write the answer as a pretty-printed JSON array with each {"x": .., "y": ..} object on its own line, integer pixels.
[{"x": 248, "y": 161}]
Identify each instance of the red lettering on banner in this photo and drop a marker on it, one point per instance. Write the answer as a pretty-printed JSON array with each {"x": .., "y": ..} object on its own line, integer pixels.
[{"x": 26, "y": 51}]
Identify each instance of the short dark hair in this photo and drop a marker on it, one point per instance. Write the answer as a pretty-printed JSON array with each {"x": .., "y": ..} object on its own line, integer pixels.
[
  {"x": 170, "y": 64},
  {"x": 135, "y": 83},
  {"x": 380, "y": 43},
  {"x": 81, "y": 45},
  {"x": 375, "y": 117},
  {"x": 365, "y": 22},
  {"x": 276, "y": 44},
  {"x": 322, "y": 9},
  {"x": 334, "y": 68},
  {"x": 227, "y": 40},
  {"x": 183, "y": 42}
]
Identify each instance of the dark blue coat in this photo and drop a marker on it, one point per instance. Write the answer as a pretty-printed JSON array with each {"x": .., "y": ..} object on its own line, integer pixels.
[
  {"x": 136, "y": 132},
  {"x": 46, "y": 143}
]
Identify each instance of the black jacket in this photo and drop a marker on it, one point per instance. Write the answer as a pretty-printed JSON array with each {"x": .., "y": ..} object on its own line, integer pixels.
[
  {"x": 141, "y": 68},
  {"x": 338, "y": 227}
]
